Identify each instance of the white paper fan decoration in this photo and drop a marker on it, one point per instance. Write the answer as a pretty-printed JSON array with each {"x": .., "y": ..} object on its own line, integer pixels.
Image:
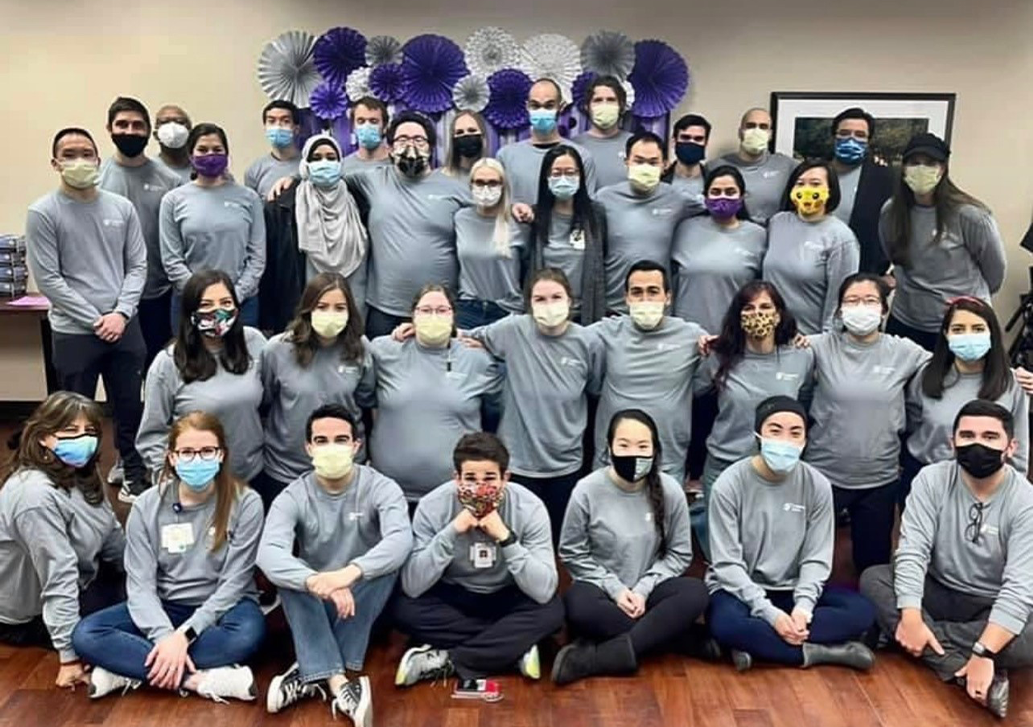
[
  {"x": 285, "y": 68},
  {"x": 554, "y": 56},
  {"x": 629, "y": 91},
  {"x": 382, "y": 50},
  {"x": 356, "y": 86},
  {"x": 608, "y": 53},
  {"x": 471, "y": 93},
  {"x": 491, "y": 49}
]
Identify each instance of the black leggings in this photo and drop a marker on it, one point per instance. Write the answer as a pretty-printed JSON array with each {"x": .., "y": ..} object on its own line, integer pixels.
[{"x": 555, "y": 493}]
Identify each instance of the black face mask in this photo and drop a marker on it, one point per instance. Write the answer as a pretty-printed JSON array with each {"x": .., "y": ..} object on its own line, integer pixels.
[
  {"x": 130, "y": 145},
  {"x": 412, "y": 165},
  {"x": 689, "y": 153},
  {"x": 631, "y": 468},
  {"x": 469, "y": 146},
  {"x": 979, "y": 460}
]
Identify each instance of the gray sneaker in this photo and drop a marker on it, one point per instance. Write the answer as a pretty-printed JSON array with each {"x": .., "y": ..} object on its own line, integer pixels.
[
  {"x": 131, "y": 490},
  {"x": 117, "y": 473},
  {"x": 423, "y": 662}
]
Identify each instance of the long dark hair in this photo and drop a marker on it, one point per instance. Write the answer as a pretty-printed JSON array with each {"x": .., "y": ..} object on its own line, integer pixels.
[
  {"x": 997, "y": 375},
  {"x": 584, "y": 214},
  {"x": 727, "y": 170},
  {"x": 305, "y": 340},
  {"x": 192, "y": 359},
  {"x": 730, "y": 346},
  {"x": 654, "y": 488},
  {"x": 835, "y": 196}
]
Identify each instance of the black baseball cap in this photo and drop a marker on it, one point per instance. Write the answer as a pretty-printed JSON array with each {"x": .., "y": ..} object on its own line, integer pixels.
[
  {"x": 775, "y": 404},
  {"x": 929, "y": 144}
]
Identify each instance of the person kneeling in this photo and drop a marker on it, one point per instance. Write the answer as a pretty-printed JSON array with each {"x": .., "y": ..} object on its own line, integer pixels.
[
  {"x": 479, "y": 591},
  {"x": 626, "y": 541},
  {"x": 349, "y": 526},
  {"x": 960, "y": 595},
  {"x": 192, "y": 614},
  {"x": 772, "y": 528}
]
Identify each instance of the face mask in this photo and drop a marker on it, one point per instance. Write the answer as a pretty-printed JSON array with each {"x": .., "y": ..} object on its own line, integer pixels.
[
  {"x": 368, "y": 136},
  {"x": 487, "y": 196},
  {"x": 76, "y": 451},
  {"x": 780, "y": 457},
  {"x": 212, "y": 166},
  {"x": 760, "y": 324},
  {"x": 564, "y": 187},
  {"x": 755, "y": 141},
  {"x": 543, "y": 121},
  {"x": 631, "y": 468},
  {"x": 723, "y": 208},
  {"x": 130, "y": 145},
  {"x": 809, "y": 200},
  {"x": 433, "y": 330},
  {"x": 922, "y": 178},
  {"x": 411, "y": 163},
  {"x": 689, "y": 153},
  {"x": 861, "y": 319},
  {"x": 551, "y": 315},
  {"x": 279, "y": 137},
  {"x": 197, "y": 473},
  {"x": 646, "y": 315},
  {"x": 469, "y": 146},
  {"x": 481, "y": 499},
  {"x": 215, "y": 324},
  {"x": 605, "y": 116},
  {"x": 80, "y": 174},
  {"x": 979, "y": 460},
  {"x": 333, "y": 461},
  {"x": 173, "y": 135},
  {"x": 329, "y": 323},
  {"x": 969, "y": 346},
  {"x": 644, "y": 177},
  {"x": 850, "y": 150},
  {"x": 324, "y": 173}
]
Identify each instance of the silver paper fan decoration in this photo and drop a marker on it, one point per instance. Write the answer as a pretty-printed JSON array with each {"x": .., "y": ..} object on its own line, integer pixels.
[
  {"x": 471, "y": 93},
  {"x": 382, "y": 50},
  {"x": 357, "y": 84},
  {"x": 629, "y": 91},
  {"x": 491, "y": 49},
  {"x": 553, "y": 56},
  {"x": 285, "y": 68},
  {"x": 608, "y": 53}
]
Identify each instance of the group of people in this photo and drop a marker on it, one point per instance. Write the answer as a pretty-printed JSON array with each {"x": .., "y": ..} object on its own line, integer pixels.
[{"x": 331, "y": 349}]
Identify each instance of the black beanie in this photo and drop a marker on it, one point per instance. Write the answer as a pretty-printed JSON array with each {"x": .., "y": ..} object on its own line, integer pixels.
[{"x": 774, "y": 405}]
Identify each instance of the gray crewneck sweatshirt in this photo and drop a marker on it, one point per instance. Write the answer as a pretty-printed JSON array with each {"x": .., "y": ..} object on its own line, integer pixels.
[{"x": 766, "y": 180}]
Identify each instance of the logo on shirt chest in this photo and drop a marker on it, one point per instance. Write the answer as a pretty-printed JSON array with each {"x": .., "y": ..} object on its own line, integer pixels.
[
  {"x": 882, "y": 369},
  {"x": 768, "y": 175},
  {"x": 571, "y": 362},
  {"x": 742, "y": 252},
  {"x": 662, "y": 211},
  {"x": 233, "y": 205},
  {"x": 793, "y": 507},
  {"x": 786, "y": 376},
  {"x": 436, "y": 197},
  {"x": 113, "y": 223},
  {"x": 813, "y": 246}
]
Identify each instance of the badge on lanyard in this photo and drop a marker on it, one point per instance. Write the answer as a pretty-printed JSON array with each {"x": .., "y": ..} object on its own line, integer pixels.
[
  {"x": 177, "y": 537},
  {"x": 577, "y": 239},
  {"x": 483, "y": 555}
]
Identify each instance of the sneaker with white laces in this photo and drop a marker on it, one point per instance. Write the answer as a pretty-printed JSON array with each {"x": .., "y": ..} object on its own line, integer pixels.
[
  {"x": 423, "y": 662},
  {"x": 104, "y": 682},
  {"x": 355, "y": 699},
  {"x": 287, "y": 689},
  {"x": 531, "y": 664},
  {"x": 130, "y": 491},
  {"x": 117, "y": 473},
  {"x": 236, "y": 682}
]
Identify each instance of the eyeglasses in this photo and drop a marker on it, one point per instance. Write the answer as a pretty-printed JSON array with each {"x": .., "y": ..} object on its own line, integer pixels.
[
  {"x": 871, "y": 300},
  {"x": 426, "y": 310},
  {"x": 974, "y": 529},
  {"x": 205, "y": 453},
  {"x": 420, "y": 142}
]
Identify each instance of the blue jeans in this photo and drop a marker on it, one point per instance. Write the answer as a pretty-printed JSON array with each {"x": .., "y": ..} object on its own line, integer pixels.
[
  {"x": 472, "y": 313},
  {"x": 712, "y": 469},
  {"x": 322, "y": 640},
  {"x": 109, "y": 638},
  {"x": 248, "y": 312}
]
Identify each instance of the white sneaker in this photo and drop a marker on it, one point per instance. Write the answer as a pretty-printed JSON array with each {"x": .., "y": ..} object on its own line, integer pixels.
[
  {"x": 355, "y": 699},
  {"x": 287, "y": 689},
  {"x": 423, "y": 662},
  {"x": 104, "y": 682},
  {"x": 117, "y": 473},
  {"x": 531, "y": 664},
  {"x": 236, "y": 682}
]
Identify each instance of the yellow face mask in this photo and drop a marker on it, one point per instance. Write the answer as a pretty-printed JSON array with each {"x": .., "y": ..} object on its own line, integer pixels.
[{"x": 809, "y": 200}]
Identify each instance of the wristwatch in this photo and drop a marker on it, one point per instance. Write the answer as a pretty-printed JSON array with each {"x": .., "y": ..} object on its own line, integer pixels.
[
  {"x": 982, "y": 652},
  {"x": 510, "y": 539},
  {"x": 191, "y": 634}
]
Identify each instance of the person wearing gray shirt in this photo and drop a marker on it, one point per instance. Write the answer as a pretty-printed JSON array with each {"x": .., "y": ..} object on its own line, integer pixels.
[
  {"x": 282, "y": 123},
  {"x": 606, "y": 104},
  {"x": 480, "y": 586},
  {"x": 492, "y": 253},
  {"x": 772, "y": 531},
  {"x": 608, "y": 155},
  {"x": 959, "y": 595},
  {"x": 765, "y": 172}
]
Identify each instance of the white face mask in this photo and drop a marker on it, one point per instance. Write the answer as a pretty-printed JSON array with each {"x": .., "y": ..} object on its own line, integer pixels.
[
  {"x": 551, "y": 315},
  {"x": 173, "y": 135},
  {"x": 646, "y": 314},
  {"x": 487, "y": 196},
  {"x": 861, "y": 319}
]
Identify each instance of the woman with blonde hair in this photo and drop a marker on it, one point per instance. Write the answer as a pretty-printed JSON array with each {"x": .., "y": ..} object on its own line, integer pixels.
[
  {"x": 467, "y": 144},
  {"x": 192, "y": 614}
]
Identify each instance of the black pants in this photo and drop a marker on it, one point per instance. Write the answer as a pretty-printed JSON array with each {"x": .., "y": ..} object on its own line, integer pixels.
[
  {"x": 925, "y": 339},
  {"x": 555, "y": 493},
  {"x": 704, "y": 412},
  {"x": 871, "y": 522},
  {"x": 671, "y": 610},
  {"x": 485, "y": 634},
  {"x": 379, "y": 323},
  {"x": 155, "y": 324},
  {"x": 80, "y": 360},
  {"x": 909, "y": 469},
  {"x": 268, "y": 488}
]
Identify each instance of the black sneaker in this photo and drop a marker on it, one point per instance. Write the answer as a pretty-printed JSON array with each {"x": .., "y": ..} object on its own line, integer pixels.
[
  {"x": 287, "y": 689},
  {"x": 131, "y": 490},
  {"x": 355, "y": 699}
]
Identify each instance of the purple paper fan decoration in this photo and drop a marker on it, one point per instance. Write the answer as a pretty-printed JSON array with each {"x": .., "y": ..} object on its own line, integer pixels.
[
  {"x": 338, "y": 52},
  {"x": 328, "y": 102},
  {"x": 660, "y": 78},
  {"x": 386, "y": 82},
  {"x": 580, "y": 87},
  {"x": 431, "y": 68},
  {"x": 507, "y": 107}
]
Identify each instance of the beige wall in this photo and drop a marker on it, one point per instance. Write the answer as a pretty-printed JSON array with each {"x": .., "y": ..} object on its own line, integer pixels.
[{"x": 65, "y": 61}]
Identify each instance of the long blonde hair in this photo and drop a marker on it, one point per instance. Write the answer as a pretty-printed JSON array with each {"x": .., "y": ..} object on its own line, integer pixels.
[{"x": 501, "y": 235}]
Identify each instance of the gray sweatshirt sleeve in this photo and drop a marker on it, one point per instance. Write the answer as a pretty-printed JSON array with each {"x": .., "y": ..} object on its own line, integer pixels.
[
  {"x": 596, "y": 365},
  {"x": 276, "y": 549},
  {"x": 432, "y": 552},
  {"x": 576, "y": 552},
  {"x": 531, "y": 560},
  {"x": 390, "y": 553},
  {"x": 238, "y": 571},
  {"x": 843, "y": 260},
  {"x": 678, "y": 543},
  {"x": 136, "y": 268},
  {"x": 142, "y": 578},
  {"x": 254, "y": 262},
  {"x": 173, "y": 254},
  {"x": 1014, "y": 602},
  {"x": 113, "y": 549},
  {"x": 984, "y": 243},
  {"x": 917, "y": 534},
  {"x": 158, "y": 405},
  {"x": 816, "y": 550},
  {"x": 44, "y": 262},
  {"x": 1020, "y": 411}
]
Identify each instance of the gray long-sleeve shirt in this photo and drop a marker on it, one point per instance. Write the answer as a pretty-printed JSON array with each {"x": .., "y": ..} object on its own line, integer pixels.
[
  {"x": 427, "y": 399},
  {"x": 234, "y": 398},
  {"x": 293, "y": 393},
  {"x": 267, "y": 170},
  {"x": 936, "y": 538},
  {"x": 523, "y": 163},
  {"x": 169, "y": 558},
  {"x": 545, "y": 403},
  {"x": 771, "y": 536},
  {"x": 765, "y": 179},
  {"x": 610, "y": 539},
  {"x": 366, "y": 525},
  {"x": 859, "y": 407},
  {"x": 609, "y": 156},
  {"x": 353, "y": 163},
  {"x": 51, "y": 545},
  {"x": 807, "y": 262},
  {"x": 564, "y": 250},
  {"x": 219, "y": 227},
  {"x": 184, "y": 173},
  {"x": 710, "y": 263},
  {"x": 485, "y": 273},
  {"x": 144, "y": 186},
  {"x": 933, "y": 419},
  {"x": 88, "y": 258},
  {"x": 968, "y": 260},
  {"x": 653, "y": 371},
  {"x": 441, "y": 553}
]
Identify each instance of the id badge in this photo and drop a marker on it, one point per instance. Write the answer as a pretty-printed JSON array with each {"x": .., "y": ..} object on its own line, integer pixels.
[
  {"x": 482, "y": 555},
  {"x": 177, "y": 537},
  {"x": 577, "y": 239}
]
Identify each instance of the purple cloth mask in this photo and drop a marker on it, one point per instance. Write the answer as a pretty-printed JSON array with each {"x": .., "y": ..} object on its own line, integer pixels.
[
  {"x": 723, "y": 207},
  {"x": 210, "y": 165}
]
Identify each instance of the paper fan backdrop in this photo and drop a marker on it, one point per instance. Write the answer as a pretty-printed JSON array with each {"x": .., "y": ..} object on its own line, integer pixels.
[
  {"x": 660, "y": 78},
  {"x": 608, "y": 53},
  {"x": 357, "y": 84},
  {"x": 579, "y": 88},
  {"x": 471, "y": 94},
  {"x": 338, "y": 52},
  {"x": 491, "y": 49},
  {"x": 383, "y": 49},
  {"x": 507, "y": 107},
  {"x": 328, "y": 102},
  {"x": 286, "y": 71},
  {"x": 432, "y": 66},
  {"x": 554, "y": 56},
  {"x": 386, "y": 82}
]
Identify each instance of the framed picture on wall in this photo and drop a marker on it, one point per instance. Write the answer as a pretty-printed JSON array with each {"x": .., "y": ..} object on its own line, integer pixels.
[{"x": 803, "y": 120}]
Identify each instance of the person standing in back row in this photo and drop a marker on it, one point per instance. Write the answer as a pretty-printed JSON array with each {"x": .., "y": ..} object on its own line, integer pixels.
[
  {"x": 282, "y": 123},
  {"x": 606, "y": 102},
  {"x": 765, "y": 172}
]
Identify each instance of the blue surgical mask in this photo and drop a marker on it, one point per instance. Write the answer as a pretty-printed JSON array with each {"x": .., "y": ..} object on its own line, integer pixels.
[
  {"x": 279, "y": 137},
  {"x": 76, "y": 451},
  {"x": 850, "y": 150},
  {"x": 543, "y": 121},
  {"x": 781, "y": 457},
  {"x": 969, "y": 347},
  {"x": 368, "y": 136},
  {"x": 324, "y": 173},
  {"x": 197, "y": 473},
  {"x": 564, "y": 187}
]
